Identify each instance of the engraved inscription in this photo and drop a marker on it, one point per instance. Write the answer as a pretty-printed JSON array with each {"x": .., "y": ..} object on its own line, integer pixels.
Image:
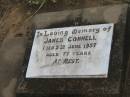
[{"x": 71, "y": 51}]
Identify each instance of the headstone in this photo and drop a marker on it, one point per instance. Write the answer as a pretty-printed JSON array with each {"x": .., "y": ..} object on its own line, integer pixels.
[
  {"x": 87, "y": 76},
  {"x": 80, "y": 51}
]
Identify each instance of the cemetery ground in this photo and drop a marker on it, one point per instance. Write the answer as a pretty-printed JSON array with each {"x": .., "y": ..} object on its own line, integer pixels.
[{"x": 15, "y": 33}]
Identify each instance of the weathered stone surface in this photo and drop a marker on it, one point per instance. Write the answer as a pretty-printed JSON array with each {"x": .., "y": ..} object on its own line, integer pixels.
[
  {"x": 126, "y": 90},
  {"x": 71, "y": 52},
  {"x": 109, "y": 87}
]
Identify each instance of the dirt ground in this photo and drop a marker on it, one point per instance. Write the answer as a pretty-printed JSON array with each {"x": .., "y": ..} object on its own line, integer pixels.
[{"x": 15, "y": 33}]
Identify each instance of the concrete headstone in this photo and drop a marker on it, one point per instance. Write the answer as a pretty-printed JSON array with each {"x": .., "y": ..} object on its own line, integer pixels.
[{"x": 98, "y": 17}]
